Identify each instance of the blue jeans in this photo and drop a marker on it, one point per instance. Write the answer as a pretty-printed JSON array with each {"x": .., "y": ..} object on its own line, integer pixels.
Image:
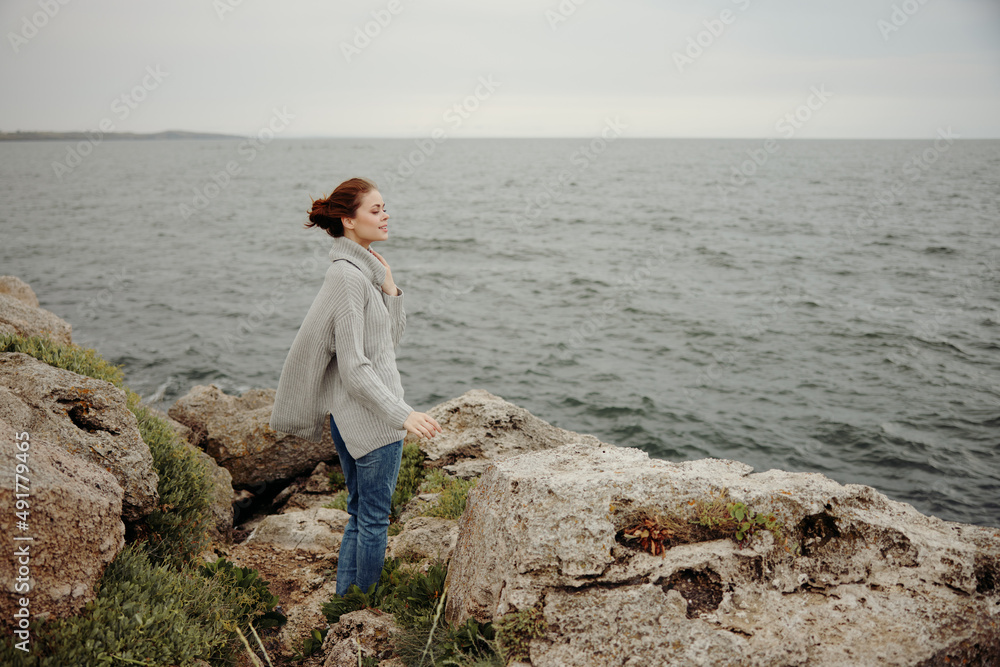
[{"x": 370, "y": 483}]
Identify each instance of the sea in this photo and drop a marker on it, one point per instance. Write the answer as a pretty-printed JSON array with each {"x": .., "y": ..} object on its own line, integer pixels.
[{"x": 827, "y": 306}]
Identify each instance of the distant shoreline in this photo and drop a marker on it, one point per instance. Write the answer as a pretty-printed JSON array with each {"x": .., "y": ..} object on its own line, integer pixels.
[{"x": 120, "y": 136}]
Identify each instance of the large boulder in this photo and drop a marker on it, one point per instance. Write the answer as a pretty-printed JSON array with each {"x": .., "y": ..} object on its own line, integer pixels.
[
  {"x": 317, "y": 530},
  {"x": 86, "y": 417},
  {"x": 425, "y": 538},
  {"x": 852, "y": 578},
  {"x": 479, "y": 427},
  {"x": 72, "y": 515},
  {"x": 234, "y": 431},
  {"x": 20, "y": 313},
  {"x": 20, "y": 290}
]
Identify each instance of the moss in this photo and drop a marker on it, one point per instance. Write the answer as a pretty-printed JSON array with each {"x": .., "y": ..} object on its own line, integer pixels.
[{"x": 516, "y": 630}]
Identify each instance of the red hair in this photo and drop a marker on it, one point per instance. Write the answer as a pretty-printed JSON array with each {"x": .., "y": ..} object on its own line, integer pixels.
[{"x": 342, "y": 203}]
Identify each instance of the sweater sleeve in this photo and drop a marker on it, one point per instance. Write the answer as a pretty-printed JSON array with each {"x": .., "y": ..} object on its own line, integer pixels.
[
  {"x": 394, "y": 304},
  {"x": 356, "y": 369},
  {"x": 298, "y": 401}
]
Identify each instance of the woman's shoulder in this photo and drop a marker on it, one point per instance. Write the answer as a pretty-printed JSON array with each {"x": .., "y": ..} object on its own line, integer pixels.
[{"x": 343, "y": 273}]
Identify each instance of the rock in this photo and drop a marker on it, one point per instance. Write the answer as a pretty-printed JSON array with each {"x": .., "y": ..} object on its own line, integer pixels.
[
  {"x": 365, "y": 629},
  {"x": 235, "y": 432},
  {"x": 425, "y": 537},
  {"x": 479, "y": 427},
  {"x": 74, "y": 517},
  {"x": 319, "y": 480},
  {"x": 417, "y": 505},
  {"x": 86, "y": 417},
  {"x": 306, "y": 501},
  {"x": 306, "y": 615},
  {"x": 18, "y": 316},
  {"x": 20, "y": 290},
  {"x": 317, "y": 530},
  {"x": 859, "y": 579}
]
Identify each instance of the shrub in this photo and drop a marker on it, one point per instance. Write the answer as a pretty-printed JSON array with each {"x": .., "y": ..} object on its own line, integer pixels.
[
  {"x": 717, "y": 518},
  {"x": 253, "y": 599},
  {"x": 417, "y": 601},
  {"x": 453, "y": 494},
  {"x": 152, "y": 614},
  {"x": 411, "y": 474}
]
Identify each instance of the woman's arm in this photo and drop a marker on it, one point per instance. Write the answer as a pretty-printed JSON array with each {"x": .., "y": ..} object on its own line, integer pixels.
[
  {"x": 356, "y": 369},
  {"x": 393, "y": 298},
  {"x": 394, "y": 304}
]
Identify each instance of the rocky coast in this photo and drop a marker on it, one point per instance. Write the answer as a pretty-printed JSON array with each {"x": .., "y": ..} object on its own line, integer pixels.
[{"x": 619, "y": 559}]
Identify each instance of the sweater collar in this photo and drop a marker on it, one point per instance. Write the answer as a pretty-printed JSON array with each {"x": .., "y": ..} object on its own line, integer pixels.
[{"x": 345, "y": 248}]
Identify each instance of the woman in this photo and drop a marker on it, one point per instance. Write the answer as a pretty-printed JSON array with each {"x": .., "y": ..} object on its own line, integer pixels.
[{"x": 343, "y": 361}]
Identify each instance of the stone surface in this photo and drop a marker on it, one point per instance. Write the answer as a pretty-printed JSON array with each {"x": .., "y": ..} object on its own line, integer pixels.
[
  {"x": 425, "y": 537},
  {"x": 319, "y": 480},
  {"x": 17, "y": 316},
  {"x": 317, "y": 530},
  {"x": 479, "y": 427},
  {"x": 306, "y": 614},
  {"x": 86, "y": 417},
  {"x": 20, "y": 290},
  {"x": 74, "y": 517},
  {"x": 234, "y": 431},
  {"x": 366, "y": 630},
  {"x": 859, "y": 579}
]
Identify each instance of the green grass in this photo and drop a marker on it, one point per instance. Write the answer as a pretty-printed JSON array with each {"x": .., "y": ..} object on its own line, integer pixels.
[{"x": 453, "y": 494}]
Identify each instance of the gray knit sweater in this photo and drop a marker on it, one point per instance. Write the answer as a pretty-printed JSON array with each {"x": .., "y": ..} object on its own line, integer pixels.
[{"x": 343, "y": 358}]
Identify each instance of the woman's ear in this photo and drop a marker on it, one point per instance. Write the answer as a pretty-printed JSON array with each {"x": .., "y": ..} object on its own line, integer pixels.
[{"x": 345, "y": 221}]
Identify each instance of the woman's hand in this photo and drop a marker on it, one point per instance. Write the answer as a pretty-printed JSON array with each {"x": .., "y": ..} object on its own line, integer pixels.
[
  {"x": 422, "y": 424},
  {"x": 388, "y": 286}
]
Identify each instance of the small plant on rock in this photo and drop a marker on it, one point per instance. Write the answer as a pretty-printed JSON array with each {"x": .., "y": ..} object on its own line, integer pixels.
[{"x": 516, "y": 630}]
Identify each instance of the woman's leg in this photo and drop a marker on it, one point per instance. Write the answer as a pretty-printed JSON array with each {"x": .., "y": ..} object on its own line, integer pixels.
[
  {"x": 347, "y": 567},
  {"x": 376, "y": 480}
]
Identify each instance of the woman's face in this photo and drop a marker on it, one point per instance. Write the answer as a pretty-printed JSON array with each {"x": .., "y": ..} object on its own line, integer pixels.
[{"x": 369, "y": 221}]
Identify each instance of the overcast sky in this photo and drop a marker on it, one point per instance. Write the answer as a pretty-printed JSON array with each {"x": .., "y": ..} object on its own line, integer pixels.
[{"x": 709, "y": 68}]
